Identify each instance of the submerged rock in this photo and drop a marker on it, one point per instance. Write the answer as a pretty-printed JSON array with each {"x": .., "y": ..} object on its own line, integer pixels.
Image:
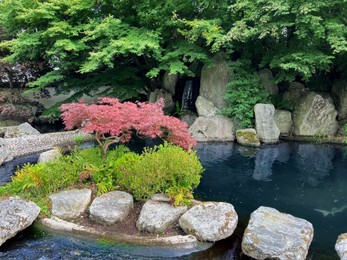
[
  {"x": 315, "y": 115},
  {"x": 265, "y": 125},
  {"x": 70, "y": 203},
  {"x": 156, "y": 216},
  {"x": 16, "y": 215},
  {"x": 247, "y": 137},
  {"x": 264, "y": 160},
  {"x": 272, "y": 234},
  {"x": 209, "y": 129},
  {"x": 111, "y": 207},
  {"x": 341, "y": 246},
  {"x": 210, "y": 221},
  {"x": 48, "y": 156}
]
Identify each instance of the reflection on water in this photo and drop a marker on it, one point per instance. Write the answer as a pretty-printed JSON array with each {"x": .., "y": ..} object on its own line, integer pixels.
[{"x": 305, "y": 180}]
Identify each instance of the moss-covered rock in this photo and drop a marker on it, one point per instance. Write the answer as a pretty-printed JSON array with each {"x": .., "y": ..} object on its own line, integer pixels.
[{"x": 247, "y": 137}]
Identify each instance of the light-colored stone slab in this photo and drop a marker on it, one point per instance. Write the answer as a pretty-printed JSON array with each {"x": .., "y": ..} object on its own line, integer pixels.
[
  {"x": 157, "y": 216},
  {"x": 284, "y": 122},
  {"x": 111, "y": 207},
  {"x": 205, "y": 107},
  {"x": 16, "y": 215},
  {"x": 48, "y": 156},
  {"x": 210, "y": 221},
  {"x": 341, "y": 246},
  {"x": 265, "y": 125},
  {"x": 272, "y": 234},
  {"x": 70, "y": 203},
  {"x": 210, "y": 129}
]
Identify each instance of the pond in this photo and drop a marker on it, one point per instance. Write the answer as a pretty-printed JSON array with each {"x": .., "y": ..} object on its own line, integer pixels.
[{"x": 305, "y": 180}]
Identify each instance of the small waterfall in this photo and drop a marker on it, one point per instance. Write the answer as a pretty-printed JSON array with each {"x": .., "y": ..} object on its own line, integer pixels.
[{"x": 187, "y": 97}]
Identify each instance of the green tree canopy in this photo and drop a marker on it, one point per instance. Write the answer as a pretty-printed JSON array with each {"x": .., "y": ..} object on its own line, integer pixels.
[{"x": 127, "y": 44}]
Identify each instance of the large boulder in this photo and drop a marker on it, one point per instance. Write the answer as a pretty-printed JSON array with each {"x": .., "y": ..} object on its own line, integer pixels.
[
  {"x": 169, "y": 82},
  {"x": 339, "y": 93},
  {"x": 205, "y": 107},
  {"x": 189, "y": 118},
  {"x": 210, "y": 221},
  {"x": 19, "y": 131},
  {"x": 214, "y": 79},
  {"x": 268, "y": 82},
  {"x": 169, "y": 105},
  {"x": 315, "y": 114},
  {"x": 341, "y": 246},
  {"x": 284, "y": 122},
  {"x": 208, "y": 129},
  {"x": 111, "y": 207},
  {"x": 70, "y": 203},
  {"x": 16, "y": 215},
  {"x": 5, "y": 154},
  {"x": 272, "y": 234},
  {"x": 157, "y": 215},
  {"x": 265, "y": 125},
  {"x": 292, "y": 95},
  {"x": 247, "y": 137},
  {"x": 48, "y": 156}
]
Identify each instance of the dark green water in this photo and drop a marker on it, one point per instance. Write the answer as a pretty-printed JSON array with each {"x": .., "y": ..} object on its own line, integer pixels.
[{"x": 305, "y": 180}]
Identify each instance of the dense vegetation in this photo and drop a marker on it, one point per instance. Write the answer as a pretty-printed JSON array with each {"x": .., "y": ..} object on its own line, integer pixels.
[
  {"x": 166, "y": 168},
  {"x": 86, "y": 43}
]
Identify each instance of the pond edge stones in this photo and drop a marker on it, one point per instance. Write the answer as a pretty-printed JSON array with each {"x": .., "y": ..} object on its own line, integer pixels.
[
  {"x": 157, "y": 215},
  {"x": 16, "y": 215},
  {"x": 341, "y": 246},
  {"x": 70, "y": 203},
  {"x": 111, "y": 207},
  {"x": 272, "y": 234},
  {"x": 265, "y": 125},
  {"x": 210, "y": 221}
]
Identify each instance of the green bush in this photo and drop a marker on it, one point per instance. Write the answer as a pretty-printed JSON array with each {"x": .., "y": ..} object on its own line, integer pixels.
[
  {"x": 166, "y": 168},
  {"x": 243, "y": 92}
]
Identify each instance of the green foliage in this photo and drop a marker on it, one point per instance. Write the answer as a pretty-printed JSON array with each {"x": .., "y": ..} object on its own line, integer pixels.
[
  {"x": 243, "y": 92},
  {"x": 165, "y": 168}
]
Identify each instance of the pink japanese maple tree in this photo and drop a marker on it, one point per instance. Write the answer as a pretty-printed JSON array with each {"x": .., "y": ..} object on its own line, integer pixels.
[{"x": 112, "y": 121}]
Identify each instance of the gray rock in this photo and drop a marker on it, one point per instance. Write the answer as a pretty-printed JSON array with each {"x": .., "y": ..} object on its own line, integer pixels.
[
  {"x": 161, "y": 197},
  {"x": 70, "y": 203},
  {"x": 189, "y": 118},
  {"x": 268, "y": 81},
  {"x": 214, "y": 79},
  {"x": 315, "y": 114},
  {"x": 265, "y": 125},
  {"x": 169, "y": 105},
  {"x": 5, "y": 154},
  {"x": 48, "y": 156},
  {"x": 217, "y": 128},
  {"x": 210, "y": 221},
  {"x": 205, "y": 107},
  {"x": 271, "y": 234},
  {"x": 157, "y": 216},
  {"x": 247, "y": 137},
  {"x": 16, "y": 215},
  {"x": 111, "y": 207},
  {"x": 339, "y": 94},
  {"x": 169, "y": 82},
  {"x": 27, "y": 129},
  {"x": 284, "y": 122},
  {"x": 341, "y": 246},
  {"x": 293, "y": 94},
  {"x": 30, "y": 144}
]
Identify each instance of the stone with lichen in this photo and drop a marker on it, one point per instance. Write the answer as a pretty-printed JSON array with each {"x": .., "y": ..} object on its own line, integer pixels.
[
  {"x": 272, "y": 234},
  {"x": 247, "y": 137}
]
